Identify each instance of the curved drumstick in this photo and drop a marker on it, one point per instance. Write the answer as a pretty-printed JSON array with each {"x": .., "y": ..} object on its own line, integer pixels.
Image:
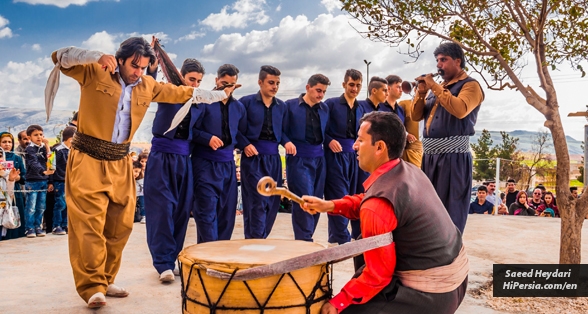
[{"x": 268, "y": 187}]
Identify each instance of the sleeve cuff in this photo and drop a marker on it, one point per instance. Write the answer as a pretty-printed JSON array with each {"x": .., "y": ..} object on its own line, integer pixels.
[
  {"x": 338, "y": 205},
  {"x": 340, "y": 301},
  {"x": 437, "y": 89}
]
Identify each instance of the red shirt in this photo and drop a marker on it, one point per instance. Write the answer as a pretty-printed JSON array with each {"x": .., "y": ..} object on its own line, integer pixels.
[{"x": 376, "y": 217}]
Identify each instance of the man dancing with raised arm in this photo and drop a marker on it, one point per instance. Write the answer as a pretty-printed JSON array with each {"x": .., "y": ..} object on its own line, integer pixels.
[
  {"x": 100, "y": 190},
  {"x": 260, "y": 157},
  {"x": 305, "y": 126},
  {"x": 425, "y": 270},
  {"x": 450, "y": 109},
  {"x": 169, "y": 185}
]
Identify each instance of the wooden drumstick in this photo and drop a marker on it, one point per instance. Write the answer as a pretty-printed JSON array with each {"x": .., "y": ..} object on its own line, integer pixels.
[{"x": 268, "y": 187}]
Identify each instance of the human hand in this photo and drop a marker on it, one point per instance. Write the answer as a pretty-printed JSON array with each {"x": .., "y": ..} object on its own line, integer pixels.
[
  {"x": 14, "y": 174},
  {"x": 290, "y": 148},
  {"x": 314, "y": 205},
  {"x": 328, "y": 308},
  {"x": 50, "y": 187},
  {"x": 335, "y": 146},
  {"x": 410, "y": 138},
  {"x": 215, "y": 143},
  {"x": 108, "y": 63},
  {"x": 250, "y": 150},
  {"x": 48, "y": 172}
]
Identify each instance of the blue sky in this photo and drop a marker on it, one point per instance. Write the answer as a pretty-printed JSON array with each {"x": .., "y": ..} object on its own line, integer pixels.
[{"x": 301, "y": 37}]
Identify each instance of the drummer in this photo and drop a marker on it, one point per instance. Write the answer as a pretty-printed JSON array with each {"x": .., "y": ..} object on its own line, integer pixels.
[{"x": 426, "y": 242}]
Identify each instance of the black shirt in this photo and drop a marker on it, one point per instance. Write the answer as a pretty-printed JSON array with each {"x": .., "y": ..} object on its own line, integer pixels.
[
  {"x": 351, "y": 131},
  {"x": 226, "y": 132},
  {"x": 511, "y": 198},
  {"x": 313, "y": 134},
  {"x": 267, "y": 130},
  {"x": 183, "y": 130}
]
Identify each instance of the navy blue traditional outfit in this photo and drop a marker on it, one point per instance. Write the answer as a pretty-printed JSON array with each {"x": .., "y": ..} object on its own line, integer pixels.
[
  {"x": 215, "y": 181},
  {"x": 451, "y": 110},
  {"x": 305, "y": 126},
  {"x": 264, "y": 132},
  {"x": 168, "y": 185},
  {"x": 342, "y": 167},
  {"x": 398, "y": 110}
]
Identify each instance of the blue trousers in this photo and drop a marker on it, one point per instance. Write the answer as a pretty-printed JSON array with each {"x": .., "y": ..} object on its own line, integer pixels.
[
  {"x": 168, "y": 193},
  {"x": 35, "y": 204},
  {"x": 306, "y": 176},
  {"x": 59, "y": 212},
  {"x": 341, "y": 180},
  {"x": 451, "y": 175},
  {"x": 259, "y": 212},
  {"x": 215, "y": 199}
]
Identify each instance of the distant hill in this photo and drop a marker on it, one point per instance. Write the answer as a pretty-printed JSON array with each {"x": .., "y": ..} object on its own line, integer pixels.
[
  {"x": 18, "y": 119},
  {"x": 527, "y": 138}
]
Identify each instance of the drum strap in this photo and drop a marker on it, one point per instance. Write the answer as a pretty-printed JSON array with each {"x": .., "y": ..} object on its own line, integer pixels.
[{"x": 330, "y": 255}]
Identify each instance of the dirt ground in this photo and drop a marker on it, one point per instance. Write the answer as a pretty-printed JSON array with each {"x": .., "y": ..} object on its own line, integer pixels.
[{"x": 36, "y": 275}]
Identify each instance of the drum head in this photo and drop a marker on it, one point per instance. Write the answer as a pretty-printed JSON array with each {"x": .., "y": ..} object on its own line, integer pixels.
[{"x": 242, "y": 254}]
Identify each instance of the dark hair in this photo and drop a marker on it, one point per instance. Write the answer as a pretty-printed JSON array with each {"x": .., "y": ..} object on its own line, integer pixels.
[
  {"x": 318, "y": 79},
  {"x": 376, "y": 82},
  {"x": 32, "y": 128},
  {"x": 541, "y": 187},
  {"x": 75, "y": 116},
  {"x": 488, "y": 182},
  {"x": 522, "y": 193},
  {"x": 191, "y": 65},
  {"x": 573, "y": 188},
  {"x": 227, "y": 69},
  {"x": 391, "y": 79},
  {"x": 452, "y": 50},
  {"x": 353, "y": 74},
  {"x": 137, "y": 165},
  {"x": 137, "y": 47},
  {"x": 19, "y": 135},
  {"x": 483, "y": 188},
  {"x": 511, "y": 181},
  {"x": 68, "y": 133},
  {"x": 387, "y": 127},
  {"x": 143, "y": 156},
  {"x": 552, "y": 197},
  {"x": 266, "y": 70}
]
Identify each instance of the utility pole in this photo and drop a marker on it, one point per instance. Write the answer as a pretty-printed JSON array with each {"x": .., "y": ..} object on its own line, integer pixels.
[{"x": 367, "y": 76}]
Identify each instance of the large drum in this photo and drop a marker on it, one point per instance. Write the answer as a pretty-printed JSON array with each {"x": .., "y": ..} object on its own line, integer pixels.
[{"x": 301, "y": 291}]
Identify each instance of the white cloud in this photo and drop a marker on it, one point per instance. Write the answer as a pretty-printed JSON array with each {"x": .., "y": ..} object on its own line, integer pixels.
[
  {"x": 5, "y": 31},
  {"x": 193, "y": 35},
  {"x": 36, "y": 47},
  {"x": 279, "y": 8},
  {"x": 332, "y": 5},
  {"x": 163, "y": 37},
  {"x": 58, "y": 3},
  {"x": 243, "y": 12},
  {"x": 102, "y": 41}
]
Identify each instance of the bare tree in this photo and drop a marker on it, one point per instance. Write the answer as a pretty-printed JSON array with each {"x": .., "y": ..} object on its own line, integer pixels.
[{"x": 540, "y": 160}]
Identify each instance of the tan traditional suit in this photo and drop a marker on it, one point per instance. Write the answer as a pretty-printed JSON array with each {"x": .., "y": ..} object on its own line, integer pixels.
[
  {"x": 413, "y": 152},
  {"x": 100, "y": 194}
]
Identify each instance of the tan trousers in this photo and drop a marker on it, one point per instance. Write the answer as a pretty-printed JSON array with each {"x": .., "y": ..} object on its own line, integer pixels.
[
  {"x": 100, "y": 197},
  {"x": 413, "y": 156}
]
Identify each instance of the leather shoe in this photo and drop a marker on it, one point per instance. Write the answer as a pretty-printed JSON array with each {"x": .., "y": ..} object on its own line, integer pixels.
[{"x": 167, "y": 276}]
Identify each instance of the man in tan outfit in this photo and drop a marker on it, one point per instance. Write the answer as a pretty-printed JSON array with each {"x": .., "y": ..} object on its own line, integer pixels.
[{"x": 100, "y": 190}]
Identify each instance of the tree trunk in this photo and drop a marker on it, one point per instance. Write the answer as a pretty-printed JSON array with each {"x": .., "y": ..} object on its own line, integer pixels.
[{"x": 570, "y": 249}]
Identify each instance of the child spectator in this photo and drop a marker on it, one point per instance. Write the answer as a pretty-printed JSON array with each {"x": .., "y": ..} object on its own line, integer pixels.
[
  {"x": 58, "y": 180},
  {"x": 143, "y": 160},
  {"x": 521, "y": 206},
  {"x": 548, "y": 204},
  {"x": 36, "y": 180},
  {"x": 481, "y": 205},
  {"x": 138, "y": 175}
]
